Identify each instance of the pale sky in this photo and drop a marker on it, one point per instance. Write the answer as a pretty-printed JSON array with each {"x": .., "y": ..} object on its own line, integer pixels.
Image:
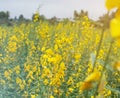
[{"x": 50, "y": 8}]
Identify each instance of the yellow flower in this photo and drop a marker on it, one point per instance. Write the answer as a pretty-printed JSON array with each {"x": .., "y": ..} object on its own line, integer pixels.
[
  {"x": 29, "y": 81},
  {"x": 70, "y": 81},
  {"x": 92, "y": 97},
  {"x": 70, "y": 89},
  {"x": 56, "y": 91},
  {"x": 95, "y": 76},
  {"x": 77, "y": 56},
  {"x": 12, "y": 46},
  {"x": 32, "y": 96},
  {"x": 107, "y": 93},
  {"x": 30, "y": 75},
  {"x": 17, "y": 69},
  {"x": 0, "y": 54},
  {"x": 112, "y": 4},
  {"x": 115, "y": 28},
  {"x": 62, "y": 66},
  {"x": 117, "y": 66},
  {"x": 2, "y": 81},
  {"x": 45, "y": 81},
  {"x": 18, "y": 80},
  {"x": 117, "y": 14},
  {"x": 27, "y": 67},
  {"x": 51, "y": 96},
  {"x": 21, "y": 86},
  {"x": 25, "y": 95},
  {"x": 85, "y": 86},
  {"x": 49, "y": 52},
  {"x": 36, "y": 17},
  {"x": 14, "y": 38},
  {"x": 6, "y": 74},
  {"x": 34, "y": 68}
]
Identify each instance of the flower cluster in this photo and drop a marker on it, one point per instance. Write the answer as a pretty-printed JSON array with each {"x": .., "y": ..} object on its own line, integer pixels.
[{"x": 62, "y": 60}]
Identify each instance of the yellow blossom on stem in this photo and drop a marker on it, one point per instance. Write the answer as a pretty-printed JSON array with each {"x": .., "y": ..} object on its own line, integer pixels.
[
  {"x": 115, "y": 28},
  {"x": 85, "y": 86},
  {"x": 12, "y": 46},
  {"x": 6, "y": 74},
  {"x": 117, "y": 14},
  {"x": 112, "y": 4},
  {"x": 18, "y": 80},
  {"x": 21, "y": 86},
  {"x": 32, "y": 96},
  {"x": 70, "y": 89},
  {"x": 95, "y": 76},
  {"x": 51, "y": 96},
  {"x": 117, "y": 66},
  {"x": 92, "y": 97},
  {"x": 70, "y": 81},
  {"x": 46, "y": 81},
  {"x": 30, "y": 75}
]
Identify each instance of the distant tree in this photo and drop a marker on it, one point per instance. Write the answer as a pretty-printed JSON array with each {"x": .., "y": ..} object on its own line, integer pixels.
[
  {"x": 42, "y": 17},
  {"x": 104, "y": 20},
  {"x": 76, "y": 14},
  {"x": 15, "y": 19},
  {"x": 4, "y": 17},
  {"x": 83, "y": 13},
  {"x": 66, "y": 20},
  {"x": 21, "y": 18},
  {"x": 79, "y": 15},
  {"x": 7, "y": 15},
  {"x": 53, "y": 20}
]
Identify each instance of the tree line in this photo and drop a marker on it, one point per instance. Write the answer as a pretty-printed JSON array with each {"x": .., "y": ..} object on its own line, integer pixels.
[{"x": 6, "y": 20}]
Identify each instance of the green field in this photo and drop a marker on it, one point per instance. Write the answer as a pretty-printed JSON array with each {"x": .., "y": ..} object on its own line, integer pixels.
[{"x": 63, "y": 60}]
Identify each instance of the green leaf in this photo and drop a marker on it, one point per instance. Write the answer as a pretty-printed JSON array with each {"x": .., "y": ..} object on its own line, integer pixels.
[
  {"x": 113, "y": 90},
  {"x": 92, "y": 58}
]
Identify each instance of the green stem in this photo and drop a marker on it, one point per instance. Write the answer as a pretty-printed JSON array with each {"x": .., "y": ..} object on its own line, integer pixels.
[
  {"x": 99, "y": 46},
  {"x": 109, "y": 51},
  {"x": 104, "y": 66}
]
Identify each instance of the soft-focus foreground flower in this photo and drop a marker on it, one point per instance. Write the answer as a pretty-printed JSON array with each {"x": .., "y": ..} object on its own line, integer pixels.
[
  {"x": 112, "y": 4},
  {"x": 93, "y": 77},
  {"x": 115, "y": 22},
  {"x": 51, "y": 96},
  {"x": 117, "y": 66},
  {"x": 85, "y": 86},
  {"x": 115, "y": 28},
  {"x": 117, "y": 14}
]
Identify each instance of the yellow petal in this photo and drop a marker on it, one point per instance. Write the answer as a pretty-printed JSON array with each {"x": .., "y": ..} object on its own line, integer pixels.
[
  {"x": 112, "y": 4},
  {"x": 95, "y": 76},
  {"x": 117, "y": 14},
  {"x": 85, "y": 86},
  {"x": 51, "y": 96},
  {"x": 115, "y": 28},
  {"x": 117, "y": 66}
]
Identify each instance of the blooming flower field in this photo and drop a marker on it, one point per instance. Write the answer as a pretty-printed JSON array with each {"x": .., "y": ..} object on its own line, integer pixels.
[{"x": 66, "y": 60}]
